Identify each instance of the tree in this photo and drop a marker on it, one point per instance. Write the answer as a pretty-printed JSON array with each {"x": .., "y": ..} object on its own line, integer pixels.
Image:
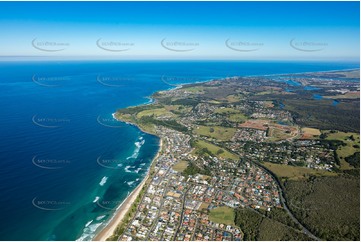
[
  {"x": 220, "y": 151},
  {"x": 323, "y": 136}
]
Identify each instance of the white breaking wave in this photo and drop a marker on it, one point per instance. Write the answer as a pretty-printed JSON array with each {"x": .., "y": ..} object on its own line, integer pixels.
[
  {"x": 100, "y": 217},
  {"x": 126, "y": 169},
  {"x": 103, "y": 181},
  {"x": 138, "y": 145},
  {"x": 137, "y": 170},
  {"x": 113, "y": 114},
  {"x": 132, "y": 182},
  {"x": 142, "y": 141},
  {"x": 88, "y": 223},
  {"x": 96, "y": 199},
  {"x": 89, "y": 232}
]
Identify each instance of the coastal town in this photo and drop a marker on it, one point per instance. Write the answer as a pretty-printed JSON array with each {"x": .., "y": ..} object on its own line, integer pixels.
[
  {"x": 180, "y": 120},
  {"x": 174, "y": 207},
  {"x": 231, "y": 146}
]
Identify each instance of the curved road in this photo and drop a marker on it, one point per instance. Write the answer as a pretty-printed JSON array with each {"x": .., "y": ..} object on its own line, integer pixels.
[
  {"x": 284, "y": 203},
  {"x": 281, "y": 192}
]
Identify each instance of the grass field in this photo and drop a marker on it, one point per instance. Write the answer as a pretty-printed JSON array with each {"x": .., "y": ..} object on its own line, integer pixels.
[
  {"x": 345, "y": 151},
  {"x": 178, "y": 108},
  {"x": 200, "y": 144},
  {"x": 295, "y": 172},
  {"x": 233, "y": 115},
  {"x": 265, "y": 92},
  {"x": 226, "y": 110},
  {"x": 233, "y": 98},
  {"x": 237, "y": 117},
  {"x": 217, "y": 132},
  {"x": 222, "y": 215},
  {"x": 214, "y": 102},
  {"x": 195, "y": 89},
  {"x": 156, "y": 112},
  {"x": 180, "y": 166}
]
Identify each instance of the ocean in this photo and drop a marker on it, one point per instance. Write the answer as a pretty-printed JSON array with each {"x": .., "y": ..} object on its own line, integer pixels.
[{"x": 66, "y": 164}]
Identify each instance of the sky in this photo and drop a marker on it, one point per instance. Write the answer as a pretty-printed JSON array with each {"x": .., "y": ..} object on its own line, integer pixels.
[{"x": 181, "y": 30}]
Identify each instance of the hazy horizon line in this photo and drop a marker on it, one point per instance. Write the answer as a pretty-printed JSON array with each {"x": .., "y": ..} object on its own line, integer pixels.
[{"x": 159, "y": 58}]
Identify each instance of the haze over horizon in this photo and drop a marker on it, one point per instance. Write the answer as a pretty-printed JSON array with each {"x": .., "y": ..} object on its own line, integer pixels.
[
  {"x": 180, "y": 30},
  {"x": 180, "y": 121}
]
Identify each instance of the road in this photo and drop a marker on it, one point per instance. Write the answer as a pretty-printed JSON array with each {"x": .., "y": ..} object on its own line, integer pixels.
[
  {"x": 284, "y": 203},
  {"x": 282, "y": 199},
  {"x": 181, "y": 218}
]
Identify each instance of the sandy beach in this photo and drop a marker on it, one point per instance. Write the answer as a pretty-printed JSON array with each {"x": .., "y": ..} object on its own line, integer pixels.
[{"x": 109, "y": 229}]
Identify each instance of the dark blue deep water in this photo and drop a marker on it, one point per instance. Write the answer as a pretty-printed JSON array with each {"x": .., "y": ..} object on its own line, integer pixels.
[{"x": 65, "y": 163}]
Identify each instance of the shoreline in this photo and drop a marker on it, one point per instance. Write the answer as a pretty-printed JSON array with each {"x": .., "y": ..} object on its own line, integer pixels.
[
  {"x": 300, "y": 73},
  {"x": 123, "y": 208}
]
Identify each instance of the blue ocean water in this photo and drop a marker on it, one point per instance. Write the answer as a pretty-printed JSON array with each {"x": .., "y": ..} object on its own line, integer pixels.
[{"x": 66, "y": 164}]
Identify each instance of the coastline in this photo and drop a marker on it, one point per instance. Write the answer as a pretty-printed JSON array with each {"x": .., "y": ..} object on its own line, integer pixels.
[
  {"x": 300, "y": 73},
  {"x": 123, "y": 208}
]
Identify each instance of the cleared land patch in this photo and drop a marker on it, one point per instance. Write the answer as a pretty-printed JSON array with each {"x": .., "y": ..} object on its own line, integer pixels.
[
  {"x": 256, "y": 124},
  {"x": 180, "y": 166},
  {"x": 237, "y": 117},
  {"x": 157, "y": 112},
  {"x": 295, "y": 172},
  {"x": 222, "y": 215},
  {"x": 217, "y": 132},
  {"x": 200, "y": 144},
  {"x": 352, "y": 141},
  {"x": 310, "y": 133},
  {"x": 226, "y": 110},
  {"x": 234, "y": 98},
  {"x": 281, "y": 132}
]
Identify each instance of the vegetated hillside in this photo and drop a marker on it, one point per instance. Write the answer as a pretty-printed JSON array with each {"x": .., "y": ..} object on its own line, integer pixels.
[
  {"x": 328, "y": 206},
  {"x": 257, "y": 226},
  {"x": 323, "y": 115}
]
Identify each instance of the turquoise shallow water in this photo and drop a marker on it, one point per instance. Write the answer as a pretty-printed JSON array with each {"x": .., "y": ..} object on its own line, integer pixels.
[{"x": 65, "y": 162}]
